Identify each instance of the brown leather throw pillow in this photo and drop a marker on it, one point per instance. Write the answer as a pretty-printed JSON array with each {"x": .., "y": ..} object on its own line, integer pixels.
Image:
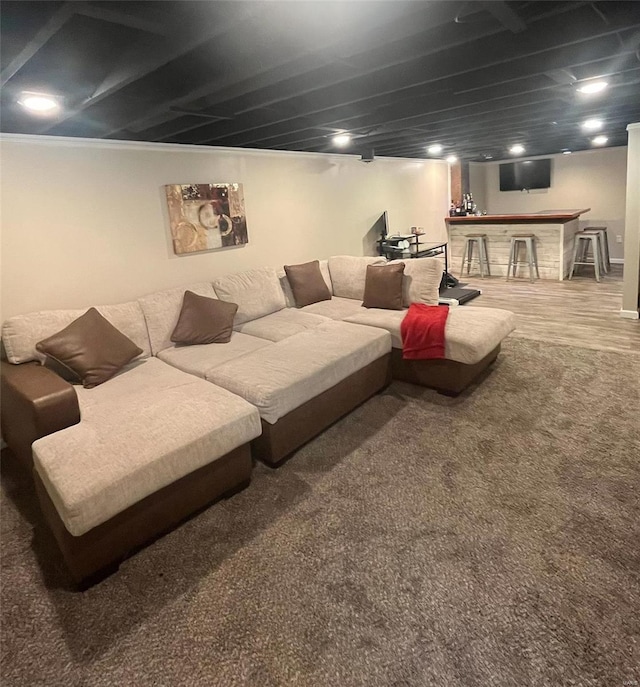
[
  {"x": 91, "y": 348},
  {"x": 204, "y": 320},
  {"x": 383, "y": 286},
  {"x": 307, "y": 283}
]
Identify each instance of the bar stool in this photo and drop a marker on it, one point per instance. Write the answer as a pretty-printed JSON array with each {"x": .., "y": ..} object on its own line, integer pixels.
[
  {"x": 529, "y": 242},
  {"x": 582, "y": 241},
  {"x": 467, "y": 253},
  {"x": 604, "y": 246}
]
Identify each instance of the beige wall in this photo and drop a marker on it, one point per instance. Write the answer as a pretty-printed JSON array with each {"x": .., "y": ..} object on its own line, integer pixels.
[
  {"x": 593, "y": 179},
  {"x": 85, "y": 222}
]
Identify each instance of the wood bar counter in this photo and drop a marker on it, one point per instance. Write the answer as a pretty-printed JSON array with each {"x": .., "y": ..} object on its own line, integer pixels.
[{"x": 554, "y": 231}]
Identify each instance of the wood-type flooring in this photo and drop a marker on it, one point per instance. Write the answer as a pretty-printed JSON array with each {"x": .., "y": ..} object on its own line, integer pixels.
[{"x": 577, "y": 312}]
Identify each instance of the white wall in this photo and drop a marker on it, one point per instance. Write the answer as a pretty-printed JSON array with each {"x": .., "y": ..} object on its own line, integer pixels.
[
  {"x": 85, "y": 222},
  {"x": 593, "y": 179}
]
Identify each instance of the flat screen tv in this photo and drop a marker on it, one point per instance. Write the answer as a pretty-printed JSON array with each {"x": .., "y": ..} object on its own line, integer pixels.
[
  {"x": 525, "y": 175},
  {"x": 383, "y": 222}
]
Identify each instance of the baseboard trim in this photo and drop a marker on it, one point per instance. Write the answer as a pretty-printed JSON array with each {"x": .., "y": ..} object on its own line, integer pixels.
[
  {"x": 616, "y": 261},
  {"x": 629, "y": 314}
]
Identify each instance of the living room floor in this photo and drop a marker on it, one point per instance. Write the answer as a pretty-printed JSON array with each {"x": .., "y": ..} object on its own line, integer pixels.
[
  {"x": 580, "y": 312},
  {"x": 489, "y": 539}
]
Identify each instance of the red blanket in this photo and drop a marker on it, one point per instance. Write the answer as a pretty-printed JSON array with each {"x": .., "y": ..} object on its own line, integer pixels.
[{"x": 423, "y": 331}]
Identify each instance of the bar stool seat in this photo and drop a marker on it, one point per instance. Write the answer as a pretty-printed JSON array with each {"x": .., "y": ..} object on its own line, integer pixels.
[
  {"x": 600, "y": 235},
  {"x": 529, "y": 242},
  {"x": 604, "y": 246},
  {"x": 467, "y": 253},
  {"x": 582, "y": 241}
]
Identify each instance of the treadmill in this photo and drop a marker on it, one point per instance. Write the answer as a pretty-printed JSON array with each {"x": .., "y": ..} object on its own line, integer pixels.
[{"x": 452, "y": 292}]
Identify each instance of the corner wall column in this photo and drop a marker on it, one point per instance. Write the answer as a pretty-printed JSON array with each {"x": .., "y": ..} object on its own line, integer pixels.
[{"x": 631, "y": 278}]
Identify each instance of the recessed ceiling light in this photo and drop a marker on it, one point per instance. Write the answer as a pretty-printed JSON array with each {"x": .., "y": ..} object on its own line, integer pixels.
[
  {"x": 435, "y": 149},
  {"x": 516, "y": 149},
  {"x": 39, "y": 103},
  {"x": 592, "y": 124},
  {"x": 599, "y": 140},
  {"x": 592, "y": 87},
  {"x": 342, "y": 140},
  {"x": 451, "y": 159}
]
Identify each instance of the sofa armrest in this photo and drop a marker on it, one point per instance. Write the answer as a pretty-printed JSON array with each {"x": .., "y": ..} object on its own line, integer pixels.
[{"x": 35, "y": 402}]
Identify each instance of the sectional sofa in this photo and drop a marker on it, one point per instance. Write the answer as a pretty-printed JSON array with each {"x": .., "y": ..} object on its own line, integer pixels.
[{"x": 118, "y": 464}]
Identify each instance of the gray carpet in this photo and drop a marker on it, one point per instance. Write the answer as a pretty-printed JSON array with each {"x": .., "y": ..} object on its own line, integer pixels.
[{"x": 491, "y": 539}]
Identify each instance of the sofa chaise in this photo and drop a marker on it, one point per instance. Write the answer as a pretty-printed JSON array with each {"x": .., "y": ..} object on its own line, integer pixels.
[
  {"x": 472, "y": 335},
  {"x": 116, "y": 465}
]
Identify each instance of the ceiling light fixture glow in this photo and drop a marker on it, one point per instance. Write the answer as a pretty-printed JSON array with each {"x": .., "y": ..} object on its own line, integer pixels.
[
  {"x": 599, "y": 140},
  {"x": 452, "y": 159},
  {"x": 592, "y": 124},
  {"x": 39, "y": 103},
  {"x": 592, "y": 87},
  {"x": 435, "y": 149},
  {"x": 342, "y": 140},
  {"x": 516, "y": 149}
]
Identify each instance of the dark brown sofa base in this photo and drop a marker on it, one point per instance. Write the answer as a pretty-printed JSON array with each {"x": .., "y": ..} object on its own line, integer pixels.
[
  {"x": 290, "y": 432},
  {"x": 100, "y": 551},
  {"x": 446, "y": 376}
]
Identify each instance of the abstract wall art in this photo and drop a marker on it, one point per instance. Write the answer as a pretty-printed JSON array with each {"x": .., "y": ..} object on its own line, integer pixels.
[{"x": 206, "y": 216}]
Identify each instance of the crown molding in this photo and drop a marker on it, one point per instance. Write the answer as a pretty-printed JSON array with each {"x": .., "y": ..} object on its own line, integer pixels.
[{"x": 149, "y": 146}]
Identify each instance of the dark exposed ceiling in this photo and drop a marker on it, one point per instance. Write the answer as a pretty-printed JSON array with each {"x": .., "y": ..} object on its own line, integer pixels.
[{"x": 475, "y": 77}]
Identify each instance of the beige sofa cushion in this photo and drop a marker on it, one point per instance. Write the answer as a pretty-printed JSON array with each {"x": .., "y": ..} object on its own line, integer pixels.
[
  {"x": 279, "y": 325},
  {"x": 21, "y": 333},
  {"x": 199, "y": 359},
  {"x": 348, "y": 274},
  {"x": 389, "y": 320},
  {"x": 326, "y": 275},
  {"x": 116, "y": 457},
  {"x": 336, "y": 309},
  {"x": 287, "y": 374},
  {"x": 421, "y": 281},
  {"x": 162, "y": 310},
  {"x": 257, "y": 293},
  {"x": 470, "y": 333}
]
